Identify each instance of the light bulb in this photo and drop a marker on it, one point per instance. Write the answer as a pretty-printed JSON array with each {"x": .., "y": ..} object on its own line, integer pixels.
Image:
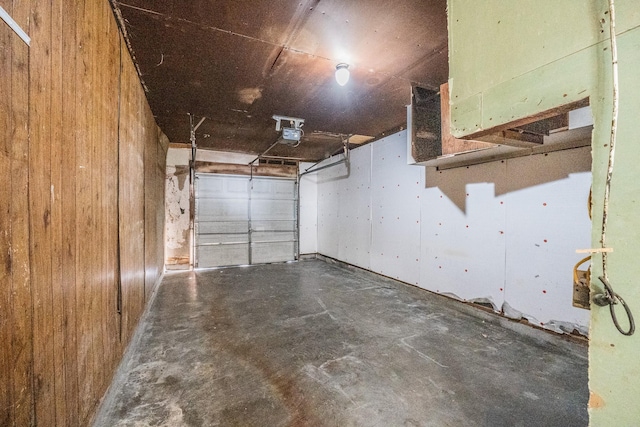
[{"x": 342, "y": 73}]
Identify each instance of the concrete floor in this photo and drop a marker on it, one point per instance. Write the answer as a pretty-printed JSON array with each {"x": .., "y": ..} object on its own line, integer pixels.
[{"x": 314, "y": 344}]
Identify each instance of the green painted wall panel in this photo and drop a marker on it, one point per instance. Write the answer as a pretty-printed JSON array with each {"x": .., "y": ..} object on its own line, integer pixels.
[
  {"x": 614, "y": 361},
  {"x": 510, "y": 40},
  {"x": 492, "y": 58},
  {"x": 525, "y": 64},
  {"x": 469, "y": 112},
  {"x": 560, "y": 82}
]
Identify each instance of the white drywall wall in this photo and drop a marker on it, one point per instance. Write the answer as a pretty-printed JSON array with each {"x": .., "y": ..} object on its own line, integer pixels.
[
  {"x": 463, "y": 240},
  {"x": 395, "y": 207},
  {"x": 475, "y": 233},
  {"x": 546, "y": 223},
  {"x": 344, "y": 209},
  {"x": 308, "y": 214}
]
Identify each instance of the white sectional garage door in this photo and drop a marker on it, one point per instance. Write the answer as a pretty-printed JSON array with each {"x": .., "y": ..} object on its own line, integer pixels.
[{"x": 241, "y": 221}]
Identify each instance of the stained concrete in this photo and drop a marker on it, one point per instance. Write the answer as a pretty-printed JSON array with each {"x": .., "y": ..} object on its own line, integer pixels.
[{"x": 315, "y": 344}]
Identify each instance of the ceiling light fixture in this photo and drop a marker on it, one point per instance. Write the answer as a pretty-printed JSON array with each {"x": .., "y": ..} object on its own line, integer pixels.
[{"x": 342, "y": 73}]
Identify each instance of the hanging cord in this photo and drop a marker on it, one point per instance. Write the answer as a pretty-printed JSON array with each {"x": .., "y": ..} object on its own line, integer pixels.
[{"x": 610, "y": 297}]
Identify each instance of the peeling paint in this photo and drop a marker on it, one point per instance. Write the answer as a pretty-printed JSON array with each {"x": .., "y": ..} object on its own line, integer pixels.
[{"x": 177, "y": 215}]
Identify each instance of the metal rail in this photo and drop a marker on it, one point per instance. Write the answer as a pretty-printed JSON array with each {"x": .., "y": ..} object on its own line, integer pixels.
[{"x": 345, "y": 159}]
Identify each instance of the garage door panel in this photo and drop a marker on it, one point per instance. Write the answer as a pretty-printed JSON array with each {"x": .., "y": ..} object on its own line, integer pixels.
[
  {"x": 242, "y": 221},
  {"x": 222, "y": 210},
  {"x": 262, "y": 253},
  {"x": 222, "y": 220},
  {"x": 273, "y": 220},
  {"x": 206, "y": 239},
  {"x": 282, "y": 225},
  {"x": 222, "y": 186},
  {"x": 223, "y": 255},
  {"x": 270, "y": 188},
  {"x": 213, "y": 227},
  {"x": 288, "y": 236},
  {"x": 272, "y": 209}
]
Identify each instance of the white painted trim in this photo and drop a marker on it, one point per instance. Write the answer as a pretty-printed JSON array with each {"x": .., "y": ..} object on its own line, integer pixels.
[{"x": 14, "y": 26}]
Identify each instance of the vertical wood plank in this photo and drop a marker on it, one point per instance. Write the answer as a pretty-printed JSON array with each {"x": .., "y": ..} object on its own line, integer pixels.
[
  {"x": 161, "y": 159},
  {"x": 40, "y": 211},
  {"x": 21, "y": 315},
  {"x": 68, "y": 196},
  {"x": 152, "y": 267},
  {"x": 84, "y": 219},
  {"x": 131, "y": 197},
  {"x": 99, "y": 101},
  {"x": 123, "y": 202},
  {"x": 6, "y": 265},
  {"x": 94, "y": 99},
  {"x": 149, "y": 208},
  {"x": 57, "y": 215},
  {"x": 111, "y": 44}
]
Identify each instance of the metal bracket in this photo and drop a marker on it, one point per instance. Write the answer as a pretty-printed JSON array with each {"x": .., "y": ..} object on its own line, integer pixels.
[{"x": 295, "y": 122}]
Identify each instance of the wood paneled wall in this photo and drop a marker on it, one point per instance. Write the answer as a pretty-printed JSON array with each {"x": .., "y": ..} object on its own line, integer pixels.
[
  {"x": 16, "y": 344},
  {"x": 81, "y": 209}
]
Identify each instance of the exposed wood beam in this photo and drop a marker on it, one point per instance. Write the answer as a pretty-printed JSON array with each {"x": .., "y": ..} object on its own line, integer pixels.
[
  {"x": 513, "y": 138},
  {"x": 240, "y": 169},
  {"x": 450, "y": 144},
  {"x": 462, "y": 160}
]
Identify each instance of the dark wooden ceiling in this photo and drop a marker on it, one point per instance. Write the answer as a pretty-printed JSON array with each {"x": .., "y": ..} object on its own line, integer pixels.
[{"x": 239, "y": 62}]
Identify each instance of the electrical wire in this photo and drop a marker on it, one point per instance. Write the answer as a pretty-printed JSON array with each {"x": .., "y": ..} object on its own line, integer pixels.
[
  {"x": 610, "y": 297},
  {"x": 613, "y": 135}
]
